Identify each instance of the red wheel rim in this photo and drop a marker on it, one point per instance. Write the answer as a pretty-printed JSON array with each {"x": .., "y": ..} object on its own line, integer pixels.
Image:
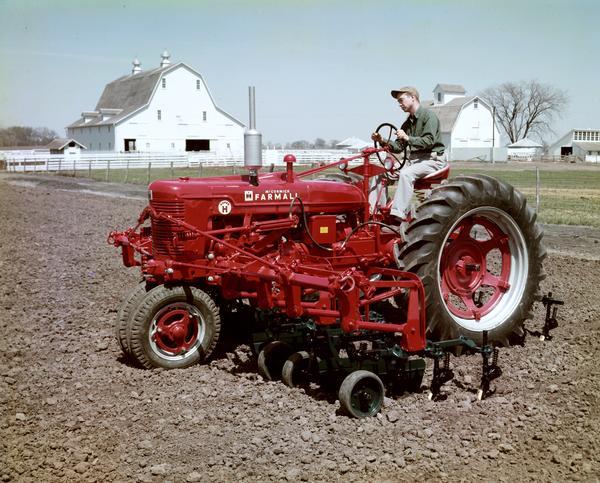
[
  {"x": 475, "y": 267},
  {"x": 176, "y": 330}
]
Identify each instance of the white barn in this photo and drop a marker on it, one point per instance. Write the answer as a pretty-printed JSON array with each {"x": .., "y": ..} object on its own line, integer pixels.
[
  {"x": 167, "y": 109},
  {"x": 581, "y": 143},
  {"x": 467, "y": 124}
]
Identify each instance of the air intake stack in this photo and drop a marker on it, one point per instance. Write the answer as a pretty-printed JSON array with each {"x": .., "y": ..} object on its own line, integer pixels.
[{"x": 252, "y": 143}]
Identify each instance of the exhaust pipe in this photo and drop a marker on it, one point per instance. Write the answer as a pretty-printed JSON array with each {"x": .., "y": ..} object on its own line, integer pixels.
[{"x": 252, "y": 142}]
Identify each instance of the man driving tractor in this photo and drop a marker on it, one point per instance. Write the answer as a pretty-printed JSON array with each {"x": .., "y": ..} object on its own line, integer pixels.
[{"x": 419, "y": 139}]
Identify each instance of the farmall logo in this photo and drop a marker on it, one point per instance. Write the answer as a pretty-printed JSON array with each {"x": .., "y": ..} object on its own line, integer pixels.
[{"x": 269, "y": 195}]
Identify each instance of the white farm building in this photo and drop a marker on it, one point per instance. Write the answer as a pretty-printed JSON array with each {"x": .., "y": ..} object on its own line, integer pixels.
[
  {"x": 167, "y": 109},
  {"x": 583, "y": 144},
  {"x": 467, "y": 124}
]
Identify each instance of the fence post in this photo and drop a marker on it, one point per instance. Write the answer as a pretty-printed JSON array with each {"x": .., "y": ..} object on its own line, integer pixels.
[
  {"x": 200, "y": 170},
  {"x": 74, "y": 169},
  {"x": 537, "y": 190},
  {"x": 59, "y": 164},
  {"x": 149, "y": 168},
  {"x": 107, "y": 170},
  {"x": 127, "y": 171},
  {"x": 47, "y": 165},
  {"x": 172, "y": 173},
  {"x": 89, "y": 168}
]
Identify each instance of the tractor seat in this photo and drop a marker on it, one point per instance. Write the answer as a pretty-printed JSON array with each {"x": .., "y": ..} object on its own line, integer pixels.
[{"x": 436, "y": 177}]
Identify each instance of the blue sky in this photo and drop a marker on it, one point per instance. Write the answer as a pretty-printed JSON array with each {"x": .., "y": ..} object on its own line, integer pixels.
[{"x": 321, "y": 68}]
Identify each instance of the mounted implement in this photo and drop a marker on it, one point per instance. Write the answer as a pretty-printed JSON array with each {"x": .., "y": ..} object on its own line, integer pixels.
[{"x": 338, "y": 294}]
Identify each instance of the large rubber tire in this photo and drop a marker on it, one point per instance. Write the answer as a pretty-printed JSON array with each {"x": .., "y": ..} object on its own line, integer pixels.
[
  {"x": 133, "y": 299},
  {"x": 478, "y": 251},
  {"x": 361, "y": 394},
  {"x": 174, "y": 327}
]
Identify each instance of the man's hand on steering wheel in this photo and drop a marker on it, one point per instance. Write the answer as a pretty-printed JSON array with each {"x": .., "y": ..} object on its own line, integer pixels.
[{"x": 397, "y": 159}]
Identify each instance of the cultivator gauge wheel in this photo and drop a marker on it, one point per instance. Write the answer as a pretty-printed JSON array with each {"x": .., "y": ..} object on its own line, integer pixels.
[
  {"x": 272, "y": 358},
  {"x": 361, "y": 394},
  {"x": 295, "y": 370}
]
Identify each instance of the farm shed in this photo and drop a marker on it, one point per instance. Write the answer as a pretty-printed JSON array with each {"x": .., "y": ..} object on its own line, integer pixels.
[
  {"x": 65, "y": 146},
  {"x": 524, "y": 149}
]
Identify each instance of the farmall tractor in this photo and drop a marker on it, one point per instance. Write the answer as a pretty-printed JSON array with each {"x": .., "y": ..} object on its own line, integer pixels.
[{"x": 329, "y": 289}]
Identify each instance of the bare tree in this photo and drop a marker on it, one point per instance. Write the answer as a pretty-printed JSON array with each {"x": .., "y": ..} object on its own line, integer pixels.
[{"x": 526, "y": 107}]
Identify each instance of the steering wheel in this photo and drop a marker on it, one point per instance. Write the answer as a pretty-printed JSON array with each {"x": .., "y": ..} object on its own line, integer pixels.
[{"x": 387, "y": 130}]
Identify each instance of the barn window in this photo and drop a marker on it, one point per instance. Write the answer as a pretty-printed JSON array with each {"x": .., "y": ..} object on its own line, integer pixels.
[
  {"x": 99, "y": 146},
  {"x": 439, "y": 97},
  {"x": 172, "y": 145},
  {"x": 197, "y": 84},
  {"x": 204, "y": 115},
  {"x": 159, "y": 114},
  {"x": 164, "y": 83},
  {"x": 109, "y": 145},
  {"x": 108, "y": 128},
  {"x": 476, "y": 103}
]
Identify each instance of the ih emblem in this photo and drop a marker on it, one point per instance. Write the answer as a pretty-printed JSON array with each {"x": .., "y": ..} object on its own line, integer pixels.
[{"x": 224, "y": 207}]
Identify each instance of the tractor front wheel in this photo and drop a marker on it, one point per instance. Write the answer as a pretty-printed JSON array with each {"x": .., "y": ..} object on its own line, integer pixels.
[
  {"x": 174, "y": 327},
  {"x": 125, "y": 313}
]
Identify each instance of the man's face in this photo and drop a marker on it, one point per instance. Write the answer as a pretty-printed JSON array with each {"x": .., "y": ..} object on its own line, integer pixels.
[{"x": 406, "y": 101}]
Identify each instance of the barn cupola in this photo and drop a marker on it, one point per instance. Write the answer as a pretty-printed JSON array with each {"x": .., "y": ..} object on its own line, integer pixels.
[
  {"x": 165, "y": 59},
  {"x": 137, "y": 66}
]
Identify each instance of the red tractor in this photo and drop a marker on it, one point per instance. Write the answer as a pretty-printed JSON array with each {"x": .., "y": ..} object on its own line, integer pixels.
[{"x": 331, "y": 291}]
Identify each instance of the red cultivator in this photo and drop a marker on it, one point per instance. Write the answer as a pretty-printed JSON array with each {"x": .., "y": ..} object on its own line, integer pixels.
[{"x": 330, "y": 289}]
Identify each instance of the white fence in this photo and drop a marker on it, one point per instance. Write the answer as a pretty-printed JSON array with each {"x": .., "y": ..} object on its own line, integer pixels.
[{"x": 27, "y": 161}]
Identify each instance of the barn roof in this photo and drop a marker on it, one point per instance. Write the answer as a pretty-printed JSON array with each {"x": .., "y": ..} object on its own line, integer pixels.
[
  {"x": 353, "y": 143},
  {"x": 60, "y": 143},
  {"x": 588, "y": 145},
  {"x": 448, "y": 113},
  {"x": 453, "y": 88},
  {"x": 525, "y": 143}
]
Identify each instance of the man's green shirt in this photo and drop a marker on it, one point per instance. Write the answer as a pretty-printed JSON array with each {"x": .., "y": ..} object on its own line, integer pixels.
[{"x": 423, "y": 129}]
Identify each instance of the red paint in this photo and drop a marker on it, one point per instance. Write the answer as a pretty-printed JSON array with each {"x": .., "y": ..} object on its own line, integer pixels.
[{"x": 250, "y": 242}]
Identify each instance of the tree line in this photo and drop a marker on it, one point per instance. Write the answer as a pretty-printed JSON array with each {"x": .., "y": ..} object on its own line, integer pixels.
[{"x": 26, "y": 136}]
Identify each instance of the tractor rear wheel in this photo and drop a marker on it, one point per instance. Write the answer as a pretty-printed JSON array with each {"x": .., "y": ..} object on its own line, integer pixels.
[
  {"x": 478, "y": 251},
  {"x": 174, "y": 327},
  {"x": 126, "y": 310}
]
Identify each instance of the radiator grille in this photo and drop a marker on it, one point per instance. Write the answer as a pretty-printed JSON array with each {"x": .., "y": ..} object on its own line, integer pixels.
[{"x": 163, "y": 231}]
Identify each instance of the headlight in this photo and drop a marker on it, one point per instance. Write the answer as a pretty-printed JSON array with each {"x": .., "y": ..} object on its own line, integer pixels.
[
  {"x": 342, "y": 166},
  {"x": 388, "y": 163}
]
